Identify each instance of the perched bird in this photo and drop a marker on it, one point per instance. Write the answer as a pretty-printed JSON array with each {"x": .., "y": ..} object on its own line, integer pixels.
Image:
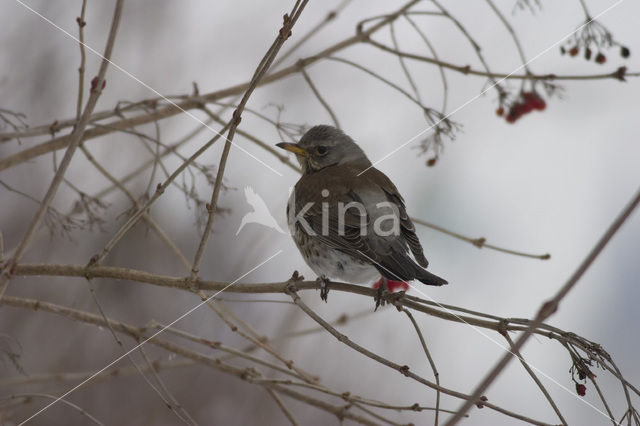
[{"x": 348, "y": 219}]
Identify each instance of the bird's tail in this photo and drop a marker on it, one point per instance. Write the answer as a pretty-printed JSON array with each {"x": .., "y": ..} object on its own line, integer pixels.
[{"x": 428, "y": 278}]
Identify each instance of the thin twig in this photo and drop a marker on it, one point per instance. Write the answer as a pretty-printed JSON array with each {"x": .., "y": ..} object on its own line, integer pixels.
[
  {"x": 196, "y": 102},
  {"x": 74, "y": 140},
  {"x": 283, "y": 407},
  {"x": 533, "y": 376},
  {"x": 479, "y": 242},
  {"x": 254, "y": 338},
  {"x": 83, "y": 58},
  {"x": 604, "y": 401},
  {"x": 403, "y": 65},
  {"x": 443, "y": 77},
  {"x": 331, "y": 15},
  {"x": 246, "y": 374},
  {"x": 256, "y": 140},
  {"x": 548, "y": 308},
  {"x": 405, "y": 370},
  {"x": 259, "y": 73},
  {"x": 436, "y": 375},
  {"x": 158, "y": 192},
  {"x": 112, "y": 373},
  {"x": 173, "y": 403},
  {"x": 468, "y": 70},
  {"x": 154, "y": 225},
  {"x": 474, "y": 44},
  {"x": 64, "y": 401},
  {"x": 324, "y": 103},
  {"x": 188, "y": 420},
  {"x": 223, "y": 348}
]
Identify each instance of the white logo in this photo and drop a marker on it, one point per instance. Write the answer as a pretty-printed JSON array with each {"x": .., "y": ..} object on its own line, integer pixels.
[
  {"x": 260, "y": 214},
  {"x": 383, "y": 213}
]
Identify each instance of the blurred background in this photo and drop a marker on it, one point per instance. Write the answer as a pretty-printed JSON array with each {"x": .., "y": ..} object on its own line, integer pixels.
[{"x": 550, "y": 183}]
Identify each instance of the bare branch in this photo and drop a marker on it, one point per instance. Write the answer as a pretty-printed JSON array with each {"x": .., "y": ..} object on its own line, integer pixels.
[
  {"x": 549, "y": 307},
  {"x": 74, "y": 140}
]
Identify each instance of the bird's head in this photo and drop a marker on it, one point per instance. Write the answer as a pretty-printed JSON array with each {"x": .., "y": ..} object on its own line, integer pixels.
[{"x": 324, "y": 146}]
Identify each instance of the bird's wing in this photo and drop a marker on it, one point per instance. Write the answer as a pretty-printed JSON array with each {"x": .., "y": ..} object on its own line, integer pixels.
[
  {"x": 347, "y": 238},
  {"x": 407, "y": 228},
  {"x": 387, "y": 254}
]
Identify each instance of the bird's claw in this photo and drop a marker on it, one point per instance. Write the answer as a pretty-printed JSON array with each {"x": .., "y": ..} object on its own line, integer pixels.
[
  {"x": 324, "y": 288},
  {"x": 381, "y": 294},
  {"x": 379, "y": 298}
]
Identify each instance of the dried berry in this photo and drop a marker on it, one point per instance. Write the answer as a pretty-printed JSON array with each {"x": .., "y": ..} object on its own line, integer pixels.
[
  {"x": 574, "y": 51},
  {"x": 581, "y": 389},
  {"x": 562, "y": 50},
  {"x": 624, "y": 52},
  {"x": 600, "y": 58},
  {"x": 500, "y": 111},
  {"x": 587, "y": 54}
]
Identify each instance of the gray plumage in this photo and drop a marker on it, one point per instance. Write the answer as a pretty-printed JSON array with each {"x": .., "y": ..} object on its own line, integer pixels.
[{"x": 356, "y": 251}]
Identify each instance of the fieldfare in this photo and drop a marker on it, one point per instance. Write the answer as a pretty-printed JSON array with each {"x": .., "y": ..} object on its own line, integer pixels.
[{"x": 348, "y": 219}]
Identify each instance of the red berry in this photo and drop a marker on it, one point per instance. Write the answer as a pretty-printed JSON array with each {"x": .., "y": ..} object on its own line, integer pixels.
[
  {"x": 527, "y": 107},
  {"x": 500, "y": 111},
  {"x": 519, "y": 109},
  {"x": 537, "y": 102},
  {"x": 514, "y": 113},
  {"x": 574, "y": 51},
  {"x": 581, "y": 389},
  {"x": 600, "y": 58}
]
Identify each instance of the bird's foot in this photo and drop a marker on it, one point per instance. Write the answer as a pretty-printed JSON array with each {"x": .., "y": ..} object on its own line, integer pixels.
[
  {"x": 381, "y": 293},
  {"x": 324, "y": 287},
  {"x": 379, "y": 298}
]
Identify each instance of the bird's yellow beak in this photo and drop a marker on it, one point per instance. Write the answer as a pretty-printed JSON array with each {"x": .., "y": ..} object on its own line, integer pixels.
[{"x": 292, "y": 147}]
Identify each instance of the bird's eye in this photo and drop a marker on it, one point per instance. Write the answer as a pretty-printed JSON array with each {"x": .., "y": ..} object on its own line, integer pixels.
[{"x": 322, "y": 150}]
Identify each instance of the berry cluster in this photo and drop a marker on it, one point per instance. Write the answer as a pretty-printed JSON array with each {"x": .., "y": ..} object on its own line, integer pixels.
[
  {"x": 527, "y": 102},
  {"x": 599, "y": 58},
  {"x": 593, "y": 39}
]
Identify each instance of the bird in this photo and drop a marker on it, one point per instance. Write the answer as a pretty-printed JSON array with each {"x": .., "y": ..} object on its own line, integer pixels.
[
  {"x": 348, "y": 219},
  {"x": 260, "y": 213}
]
